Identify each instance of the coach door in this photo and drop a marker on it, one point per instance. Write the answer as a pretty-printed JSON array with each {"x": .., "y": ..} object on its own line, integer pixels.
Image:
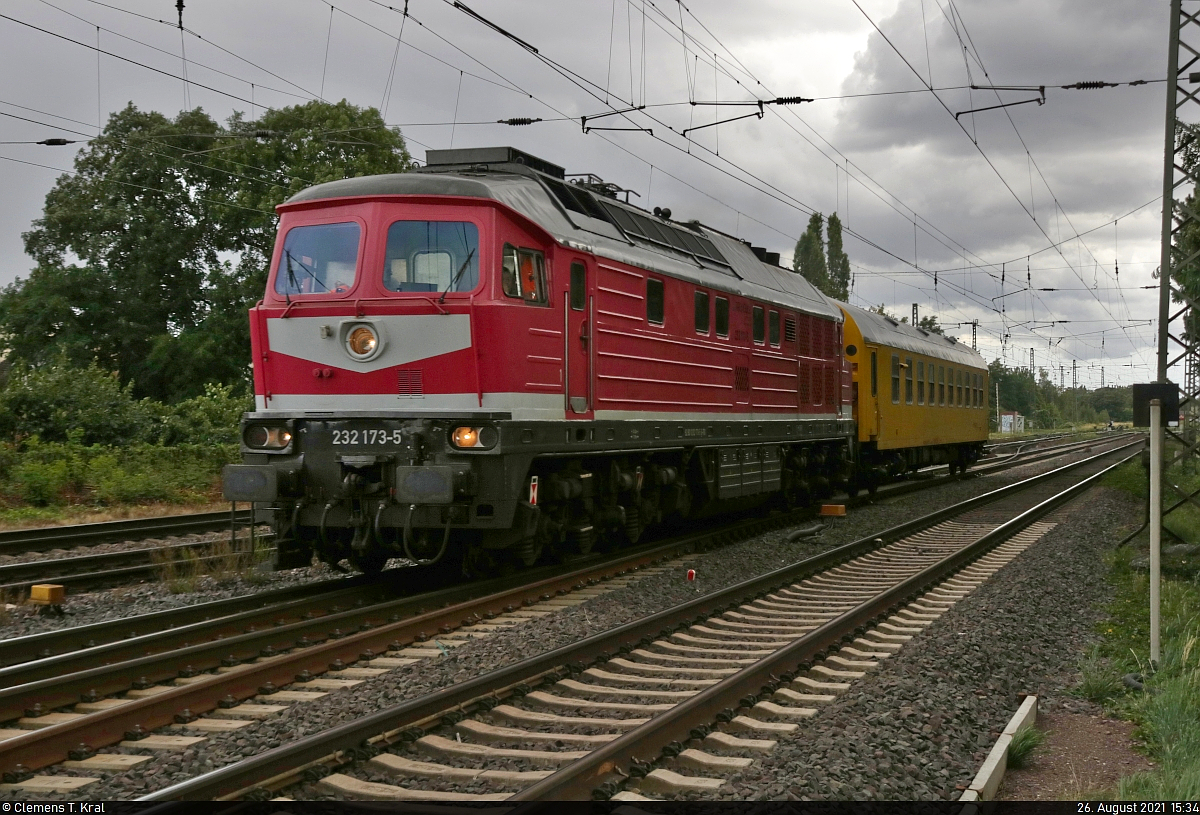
[{"x": 579, "y": 332}]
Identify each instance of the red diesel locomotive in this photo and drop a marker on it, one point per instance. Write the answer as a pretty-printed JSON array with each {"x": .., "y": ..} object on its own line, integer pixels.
[{"x": 484, "y": 361}]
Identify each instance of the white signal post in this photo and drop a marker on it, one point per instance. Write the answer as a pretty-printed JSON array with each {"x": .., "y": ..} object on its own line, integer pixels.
[{"x": 1156, "y": 459}]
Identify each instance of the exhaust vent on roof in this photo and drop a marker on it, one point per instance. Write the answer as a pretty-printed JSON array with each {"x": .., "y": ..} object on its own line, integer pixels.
[{"x": 488, "y": 156}]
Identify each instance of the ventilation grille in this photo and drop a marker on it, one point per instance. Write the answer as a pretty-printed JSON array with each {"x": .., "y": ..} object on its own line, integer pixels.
[
  {"x": 805, "y": 347},
  {"x": 804, "y": 392},
  {"x": 832, "y": 385},
  {"x": 789, "y": 330},
  {"x": 741, "y": 378},
  {"x": 409, "y": 384}
]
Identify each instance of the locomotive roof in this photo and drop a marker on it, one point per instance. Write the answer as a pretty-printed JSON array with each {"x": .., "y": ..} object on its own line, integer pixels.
[
  {"x": 705, "y": 257},
  {"x": 878, "y": 329}
]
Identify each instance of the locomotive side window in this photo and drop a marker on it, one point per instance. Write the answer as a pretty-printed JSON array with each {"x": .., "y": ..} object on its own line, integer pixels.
[
  {"x": 431, "y": 256},
  {"x": 941, "y": 384},
  {"x": 908, "y": 380},
  {"x": 773, "y": 327},
  {"x": 523, "y": 274},
  {"x": 920, "y": 382},
  {"x": 702, "y": 312},
  {"x": 654, "y": 301},
  {"x": 874, "y": 374},
  {"x": 895, "y": 379},
  {"x": 318, "y": 259},
  {"x": 759, "y": 327},
  {"x": 578, "y": 286},
  {"x": 722, "y": 316}
]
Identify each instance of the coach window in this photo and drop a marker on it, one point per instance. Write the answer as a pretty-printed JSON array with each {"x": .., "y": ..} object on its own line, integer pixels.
[
  {"x": 773, "y": 328},
  {"x": 941, "y": 384},
  {"x": 874, "y": 374},
  {"x": 975, "y": 380},
  {"x": 578, "y": 286},
  {"x": 908, "y": 380},
  {"x": 958, "y": 386},
  {"x": 759, "y": 328},
  {"x": 654, "y": 301},
  {"x": 721, "y": 307},
  {"x": 701, "y": 312},
  {"x": 950, "y": 387},
  {"x": 932, "y": 385},
  {"x": 920, "y": 381},
  {"x": 523, "y": 274},
  {"x": 895, "y": 379}
]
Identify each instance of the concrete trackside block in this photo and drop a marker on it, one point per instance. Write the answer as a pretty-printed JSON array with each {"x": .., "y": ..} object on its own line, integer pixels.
[{"x": 987, "y": 780}]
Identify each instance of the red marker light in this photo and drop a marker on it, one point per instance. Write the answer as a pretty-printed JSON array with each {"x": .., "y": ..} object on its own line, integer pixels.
[{"x": 691, "y": 574}]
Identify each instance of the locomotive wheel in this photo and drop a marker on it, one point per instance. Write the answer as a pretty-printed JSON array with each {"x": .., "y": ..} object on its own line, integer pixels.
[
  {"x": 529, "y": 551},
  {"x": 291, "y": 555},
  {"x": 371, "y": 562}
]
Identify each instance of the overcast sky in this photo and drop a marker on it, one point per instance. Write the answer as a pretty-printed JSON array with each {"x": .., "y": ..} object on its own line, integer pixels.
[{"x": 923, "y": 193}]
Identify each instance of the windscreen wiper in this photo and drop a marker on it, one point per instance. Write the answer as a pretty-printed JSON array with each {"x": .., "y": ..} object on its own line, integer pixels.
[{"x": 457, "y": 275}]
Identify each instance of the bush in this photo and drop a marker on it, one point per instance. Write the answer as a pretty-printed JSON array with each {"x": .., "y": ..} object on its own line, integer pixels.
[
  {"x": 78, "y": 435},
  {"x": 52, "y": 401}
]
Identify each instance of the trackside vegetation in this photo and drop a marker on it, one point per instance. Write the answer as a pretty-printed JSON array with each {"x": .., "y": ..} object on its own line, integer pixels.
[
  {"x": 75, "y": 437},
  {"x": 1163, "y": 702}
]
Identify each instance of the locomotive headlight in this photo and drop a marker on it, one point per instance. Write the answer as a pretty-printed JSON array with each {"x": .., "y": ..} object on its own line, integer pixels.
[
  {"x": 262, "y": 437},
  {"x": 474, "y": 438},
  {"x": 362, "y": 341}
]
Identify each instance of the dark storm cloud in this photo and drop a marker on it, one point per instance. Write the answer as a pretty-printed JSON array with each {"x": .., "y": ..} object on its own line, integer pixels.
[{"x": 1098, "y": 149}]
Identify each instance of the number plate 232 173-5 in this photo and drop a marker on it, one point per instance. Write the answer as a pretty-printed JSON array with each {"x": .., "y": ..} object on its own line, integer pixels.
[{"x": 367, "y": 437}]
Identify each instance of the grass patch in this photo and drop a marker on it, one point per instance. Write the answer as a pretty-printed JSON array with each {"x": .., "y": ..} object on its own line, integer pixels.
[
  {"x": 1024, "y": 742},
  {"x": 1168, "y": 714},
  {"x": 184, "y": 569},
  {"x": 1100, "y": 680}
]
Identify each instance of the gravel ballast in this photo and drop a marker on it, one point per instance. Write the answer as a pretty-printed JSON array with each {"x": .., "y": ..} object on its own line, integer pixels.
[
  {"x": 921, "y": 725},
  {"x": 715, "y": 570}
]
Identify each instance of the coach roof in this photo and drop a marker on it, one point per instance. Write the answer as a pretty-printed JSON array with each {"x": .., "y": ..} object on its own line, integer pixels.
[
  {"x": 880, "y": 330},
  {"x": 529, "y": 193}
]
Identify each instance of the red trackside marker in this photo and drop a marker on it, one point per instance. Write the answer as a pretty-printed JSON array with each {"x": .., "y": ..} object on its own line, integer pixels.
[{"x": 691, "y": 574}]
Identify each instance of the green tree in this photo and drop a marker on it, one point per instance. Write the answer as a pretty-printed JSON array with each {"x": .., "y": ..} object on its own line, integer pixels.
[
  {"x": 838, "y": 267},
  {"x": 809, "y": 257},
  {"x": 930, "y": 324},
  {"x": 148, "y": 257}
]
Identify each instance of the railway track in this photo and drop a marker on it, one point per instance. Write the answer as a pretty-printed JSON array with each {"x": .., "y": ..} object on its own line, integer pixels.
[
  {"x": 700, "y": 687},
  {"x": 159, "y": 631},
  {"x": 41, "y": 539},
  {"x": 157, "y": 704},
  {"x": 138, "y": 564}
]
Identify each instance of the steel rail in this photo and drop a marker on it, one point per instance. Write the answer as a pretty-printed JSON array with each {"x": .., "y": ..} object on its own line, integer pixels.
[
  {"x": 581, "y": 779},
  {"x": 100, "y": 568},
  {"x": 242, "y": 777},
  {"x": 20, "y": 541}
]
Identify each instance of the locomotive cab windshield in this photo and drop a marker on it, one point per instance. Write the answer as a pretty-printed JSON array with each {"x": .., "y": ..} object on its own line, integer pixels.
[
  {"x": 318, "y": 259},
  {"x": 431, "y": 256}
]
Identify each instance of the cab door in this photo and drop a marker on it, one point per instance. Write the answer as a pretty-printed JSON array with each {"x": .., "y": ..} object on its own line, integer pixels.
[{"x": 578, "y": 332}]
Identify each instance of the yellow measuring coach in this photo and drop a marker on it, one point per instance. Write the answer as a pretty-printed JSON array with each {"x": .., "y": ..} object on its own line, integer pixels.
[{"x": 920, "y": 398}]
